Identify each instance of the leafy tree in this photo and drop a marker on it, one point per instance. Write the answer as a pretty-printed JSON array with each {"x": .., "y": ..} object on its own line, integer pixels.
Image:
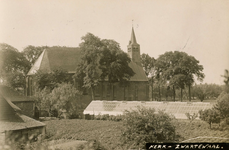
[
  {"x": 226, "y": 77},
  {"x": 50, "y": 80},
  {"x": 178, "y": 70},
  {"x": 143, "y": 125},
  {"x": 88, "y": 68},
  {"x": 32, "y": 53},
  {"x": 13, "y": 66},
  {"x": 114, "y": 63},
  {"x": 222, "y": 105},
  {"x": 63, "y": 97},
  {"x": 206, "y": 91},
  {"x": 66, "y": 97},
  {"x": 148, "y": 64},
  {"x": 43, "y": 101},
  {"x": 101, "y": 59},
  {"x": 226, "y": 80},
  {"x": 210, "y": 116}
]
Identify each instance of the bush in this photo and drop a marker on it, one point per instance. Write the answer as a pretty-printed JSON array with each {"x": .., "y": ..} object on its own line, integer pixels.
[
  {"x": 222, "y": 105},
  {"x": 210, "y": 116},
  {"x": 145, "y": 125}
]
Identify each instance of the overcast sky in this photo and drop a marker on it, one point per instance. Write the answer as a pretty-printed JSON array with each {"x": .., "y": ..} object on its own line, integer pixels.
[{"x": 197, "y": 27}]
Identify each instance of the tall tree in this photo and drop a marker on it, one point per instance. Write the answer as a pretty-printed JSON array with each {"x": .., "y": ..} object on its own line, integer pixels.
[
  {"x": 102, "y": 59},
  {"x": 148, "y": 64},
  {"x": 114, "y": 63},
  {"x": 88, "y": 68},
  {"x": 226, "y": 80},
  {"x": 179, "y": 69},
  {"x": 13, "y": 66}
]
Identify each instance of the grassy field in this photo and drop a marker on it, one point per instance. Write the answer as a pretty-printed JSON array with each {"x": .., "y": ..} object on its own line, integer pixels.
[{"x": 109, "y": 133}]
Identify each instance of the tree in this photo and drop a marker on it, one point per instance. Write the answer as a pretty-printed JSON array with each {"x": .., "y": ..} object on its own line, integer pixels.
[
  {"x": 51, "y": 79},
  {"x": 13, "y": 66},
  {"x": 66, "y": 97},
  {"x": 32, "y": 53},
  {"x": 178, "y": 70},
  {"x": 88, "y": 68},
  {"x": 143, "y": 125},
  {"x": 222, "y": 105},
  {"x": 114, "y": 63},
  {"x": 148, "y": 64},
  {"x": 206, "y": 91},
  {"x": 210, "y": 116},
  {"x": 63, "y": 97},
  {"x": 226, "y": 80},
  {"x": 101, "y": 59}
]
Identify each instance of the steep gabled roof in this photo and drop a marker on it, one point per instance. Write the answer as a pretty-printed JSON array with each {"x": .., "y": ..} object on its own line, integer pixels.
[
  {"x": 68, "y": 58},
  {"x": 133, "y": 40},
  {"x": 64, "y": 58},
  {"x": 12, "y": 119}
]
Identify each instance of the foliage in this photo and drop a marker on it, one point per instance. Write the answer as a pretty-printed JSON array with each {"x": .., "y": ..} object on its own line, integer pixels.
[
  {"x": 62, "y": 98},
  {"x": 222, "y": 105},
  {"x": 66, "y": 97},
  {"x": 52, "y": 79},
  {"x": 148, "y": 64},
  {"x": 191, "y": 117},
  {"x": 144, "y": 125},
  {"x": 43, "y": 101},
  {"x": 210, "y": 116},
  {"x": 13, "y": 66},
  {"x": 101, "y": 59},
  {"x": 114, "y": 63},
  {"x": 92, "y": 145},
  {"x": 108, "y": 117},
  {"x": 178, "y": 70},
  {"x": 226, "y": 77},
  {"x": 31, "y": 53},
  {"x": 206, "y": 91}
]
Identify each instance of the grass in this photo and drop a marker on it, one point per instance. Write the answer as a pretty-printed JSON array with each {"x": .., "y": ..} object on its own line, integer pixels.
[{"x": 109, "y": 133}]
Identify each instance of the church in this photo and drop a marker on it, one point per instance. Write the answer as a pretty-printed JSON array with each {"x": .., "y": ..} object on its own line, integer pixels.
[{"x": 67, "y": 59}]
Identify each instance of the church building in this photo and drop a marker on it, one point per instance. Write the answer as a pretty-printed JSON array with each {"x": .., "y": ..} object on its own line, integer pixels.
[{"x": 67, "y": 59}]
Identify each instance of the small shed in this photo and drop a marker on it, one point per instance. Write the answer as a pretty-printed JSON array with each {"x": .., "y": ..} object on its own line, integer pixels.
[
  {"x": 15, "y": 126},
  {"x": 25, "y": 103}
]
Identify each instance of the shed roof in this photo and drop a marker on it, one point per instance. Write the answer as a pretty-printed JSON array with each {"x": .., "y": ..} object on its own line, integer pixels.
[
  {"x": 67, "y": 59},
  {"x": 12, "y": 119}
]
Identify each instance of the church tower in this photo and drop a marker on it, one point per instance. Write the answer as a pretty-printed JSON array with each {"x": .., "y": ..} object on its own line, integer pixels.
[{"x": 134, "y": 49}]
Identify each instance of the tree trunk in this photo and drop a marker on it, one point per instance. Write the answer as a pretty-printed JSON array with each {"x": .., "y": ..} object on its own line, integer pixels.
[
  {"x": 92, "y": 93},
  {"x": 152, "y": 91},
  {"x": 181, "y": 94},
  {"x": 174, "y": 94},
  {"x": 159, "y": 96},
  {"x": 189, "y": 92}
]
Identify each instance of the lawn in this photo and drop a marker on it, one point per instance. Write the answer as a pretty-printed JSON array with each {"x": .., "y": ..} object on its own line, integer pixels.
[{"x": 108, "y": 133}]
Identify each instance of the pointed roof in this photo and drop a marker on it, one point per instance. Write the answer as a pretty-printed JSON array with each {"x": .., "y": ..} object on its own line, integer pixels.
[
  {"x": 133, "y": 38},
  {"x": 68, "y": 59},
  {"x": 65, "y": 58},
  {"x": 12, "y": 119}
]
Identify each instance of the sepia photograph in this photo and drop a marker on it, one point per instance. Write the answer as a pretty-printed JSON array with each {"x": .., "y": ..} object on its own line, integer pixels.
[{"x": 114, "y": 75}]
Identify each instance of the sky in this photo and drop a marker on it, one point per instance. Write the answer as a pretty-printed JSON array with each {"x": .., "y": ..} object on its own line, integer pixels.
[{"x": 198, "y": 27}]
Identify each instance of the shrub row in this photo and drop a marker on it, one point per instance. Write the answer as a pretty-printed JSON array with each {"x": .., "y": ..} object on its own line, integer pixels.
[{"x": 104, "y": 117}]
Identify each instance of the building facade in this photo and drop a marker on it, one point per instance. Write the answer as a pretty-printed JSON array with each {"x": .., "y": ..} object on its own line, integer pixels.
[{"x": 67, "y": 59}]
